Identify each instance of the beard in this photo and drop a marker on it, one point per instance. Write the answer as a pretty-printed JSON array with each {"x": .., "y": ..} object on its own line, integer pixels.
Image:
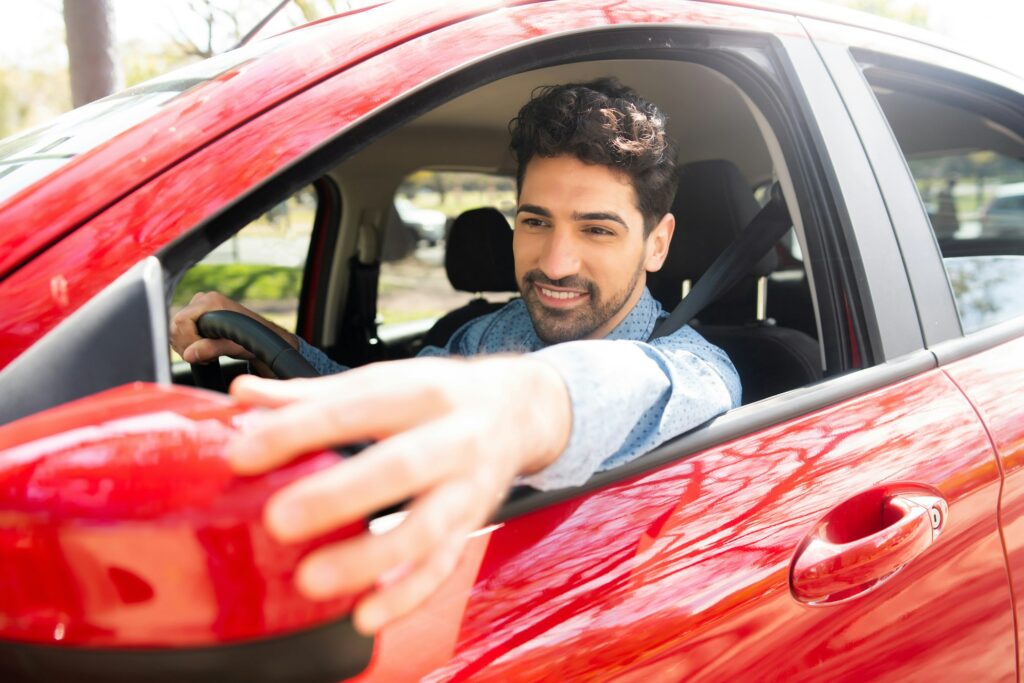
[{"x": 559, "y": 325}]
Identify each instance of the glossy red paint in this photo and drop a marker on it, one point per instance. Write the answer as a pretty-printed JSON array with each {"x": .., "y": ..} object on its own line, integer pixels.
[
  {"x": 122, "y": 525},
  {"x": 682, "y": 574},
  {"x": 863, "y": 542},
  {"x": 51, "y": 287},
  {"x": 989, "y": 380}
]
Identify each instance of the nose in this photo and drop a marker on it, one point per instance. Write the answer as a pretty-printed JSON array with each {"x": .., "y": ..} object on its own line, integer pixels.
[{"x": 560, "y": 257}]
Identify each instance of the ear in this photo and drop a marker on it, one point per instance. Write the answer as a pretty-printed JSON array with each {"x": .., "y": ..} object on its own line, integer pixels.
[{"x": 658, "y": 242}]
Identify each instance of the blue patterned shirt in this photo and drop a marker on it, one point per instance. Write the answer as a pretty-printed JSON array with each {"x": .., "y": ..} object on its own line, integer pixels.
[{"x": 628, "y": 395}]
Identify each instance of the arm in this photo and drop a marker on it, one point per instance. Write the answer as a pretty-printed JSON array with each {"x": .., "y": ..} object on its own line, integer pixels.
[
  {"x": 629, "y": 396},
  {"x": 453, "y": 435},
  {"x": 445, "y": 435}
]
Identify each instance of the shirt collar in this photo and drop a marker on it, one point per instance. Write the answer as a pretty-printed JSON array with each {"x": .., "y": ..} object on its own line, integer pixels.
[{"x": 642, "y": 319}]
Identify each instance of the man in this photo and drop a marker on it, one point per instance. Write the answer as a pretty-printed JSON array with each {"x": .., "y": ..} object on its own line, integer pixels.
[{"x": 596, "y": 177}]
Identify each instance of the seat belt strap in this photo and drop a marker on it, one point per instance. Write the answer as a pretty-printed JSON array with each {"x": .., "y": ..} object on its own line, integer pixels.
[{"x": 737, "y": 260}]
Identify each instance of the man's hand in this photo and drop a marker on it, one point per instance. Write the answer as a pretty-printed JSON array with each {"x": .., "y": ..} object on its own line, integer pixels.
[
  {"x": 452, "y": 435},
  {"x": 192, "y": 348}
]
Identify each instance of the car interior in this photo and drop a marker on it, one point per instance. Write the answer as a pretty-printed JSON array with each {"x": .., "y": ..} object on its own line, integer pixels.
[{"x": 767, "y": 323}]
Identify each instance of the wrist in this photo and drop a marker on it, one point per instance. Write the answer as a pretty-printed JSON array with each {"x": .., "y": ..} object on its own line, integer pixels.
[{"x": 551, "y": 415}]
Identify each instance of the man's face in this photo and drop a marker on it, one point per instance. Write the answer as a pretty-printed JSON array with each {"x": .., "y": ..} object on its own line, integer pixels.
[{"x": 580, "y": 252}]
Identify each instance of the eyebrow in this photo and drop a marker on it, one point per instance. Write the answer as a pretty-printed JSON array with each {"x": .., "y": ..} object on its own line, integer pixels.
[
  {"x": 600, "y": 216},
  {"x": 533, "y": 208},
  {"x": 576, "y": 216}
]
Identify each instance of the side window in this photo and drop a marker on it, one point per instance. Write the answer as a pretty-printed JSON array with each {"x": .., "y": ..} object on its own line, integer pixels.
[
  {"x": 967, "y": 160},
  {"x": 261, "y": 266},
  {"x": 414, "y": 289}
]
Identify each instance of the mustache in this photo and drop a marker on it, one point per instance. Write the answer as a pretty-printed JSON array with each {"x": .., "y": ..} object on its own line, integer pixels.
[{"x": 570, "y": 281}]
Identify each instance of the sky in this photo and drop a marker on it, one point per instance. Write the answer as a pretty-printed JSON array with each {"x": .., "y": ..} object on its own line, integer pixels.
[{"x": 33, "y": 30}]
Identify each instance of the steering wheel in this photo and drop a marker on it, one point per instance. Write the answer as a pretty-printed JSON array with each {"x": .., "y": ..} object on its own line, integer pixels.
[{"x": 261, "y": 341}]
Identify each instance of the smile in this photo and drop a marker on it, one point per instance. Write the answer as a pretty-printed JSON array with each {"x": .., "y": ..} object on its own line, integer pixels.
[
  {"x": 561, "y": 295},
  {"x": 553, "y": 298}
]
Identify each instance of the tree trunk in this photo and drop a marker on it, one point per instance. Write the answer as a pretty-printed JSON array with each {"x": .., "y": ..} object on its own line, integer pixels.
[{"x": 90, "y": 40}]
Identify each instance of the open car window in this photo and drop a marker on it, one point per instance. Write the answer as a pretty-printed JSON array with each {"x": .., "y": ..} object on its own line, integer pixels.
[{"x": 261, "y": 266}]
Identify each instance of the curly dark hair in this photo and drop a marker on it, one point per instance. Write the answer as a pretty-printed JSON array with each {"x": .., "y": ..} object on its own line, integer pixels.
[{"x": 601, "y": 122}]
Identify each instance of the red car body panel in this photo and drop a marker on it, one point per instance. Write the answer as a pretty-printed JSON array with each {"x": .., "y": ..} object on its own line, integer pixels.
[
  {"x": 990, "y": 380},
  {"x": 146, "y": 537},
  {"x": 681, "y": 573}
]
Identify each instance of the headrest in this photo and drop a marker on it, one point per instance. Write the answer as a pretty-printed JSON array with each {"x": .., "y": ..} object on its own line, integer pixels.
[
  {"x": 712, "y": 206},
  {"x": 478, "y": 253}
]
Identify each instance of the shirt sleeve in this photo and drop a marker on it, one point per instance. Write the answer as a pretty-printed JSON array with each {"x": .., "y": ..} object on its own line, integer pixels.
[
  {"x": 318, "y": 359},
  {"x": 629, "y": 396}
]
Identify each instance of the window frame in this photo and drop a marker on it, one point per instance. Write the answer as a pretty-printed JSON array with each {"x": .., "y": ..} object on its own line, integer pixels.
[
  {"x": 782, "y": 75},
  {"x": 934, "y": 73}
]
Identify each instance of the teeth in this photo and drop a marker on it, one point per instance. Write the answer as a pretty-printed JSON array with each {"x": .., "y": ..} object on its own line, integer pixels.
[{"x": 560, "y": 295}]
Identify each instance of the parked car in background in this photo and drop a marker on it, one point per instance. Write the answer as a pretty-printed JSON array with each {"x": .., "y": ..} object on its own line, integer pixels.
[
  {"x": 1004, "y": 214},
  {"x": 427, "y": 225},
  {"x": 860, "y": 517}
]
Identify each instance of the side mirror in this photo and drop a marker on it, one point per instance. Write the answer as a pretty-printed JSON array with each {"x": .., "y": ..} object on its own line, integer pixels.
[{"x": 129, "y": 551}]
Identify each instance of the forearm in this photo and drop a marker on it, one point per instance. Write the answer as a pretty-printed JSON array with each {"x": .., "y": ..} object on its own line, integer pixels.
[{"x": 628, "y": 397}]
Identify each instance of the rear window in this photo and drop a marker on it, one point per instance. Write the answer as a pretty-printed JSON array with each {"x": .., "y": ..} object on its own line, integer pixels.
[
  {"x": 413, "y": 284},
  {"x": 969, "y": 170}
]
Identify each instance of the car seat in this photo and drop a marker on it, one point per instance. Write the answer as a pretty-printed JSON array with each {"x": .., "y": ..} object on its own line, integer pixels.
[
  {"x": 713, "y": 204},
  {"x": 477, "y": 259}
]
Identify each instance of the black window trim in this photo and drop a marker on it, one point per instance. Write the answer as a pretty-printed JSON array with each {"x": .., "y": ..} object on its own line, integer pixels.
[
  {"x": 322, "y": 244},
  {"x": 918, "y": 248}
]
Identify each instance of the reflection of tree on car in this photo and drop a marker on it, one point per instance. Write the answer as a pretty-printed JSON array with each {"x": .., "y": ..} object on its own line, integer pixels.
[{"x": 683, "y": 557}]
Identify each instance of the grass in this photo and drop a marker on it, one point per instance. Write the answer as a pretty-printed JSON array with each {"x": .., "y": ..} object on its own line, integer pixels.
[{"x": 240, "y": 281}]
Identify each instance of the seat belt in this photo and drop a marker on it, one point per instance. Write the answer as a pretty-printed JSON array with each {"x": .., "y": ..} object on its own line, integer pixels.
[{"x": 754, "y": 241}]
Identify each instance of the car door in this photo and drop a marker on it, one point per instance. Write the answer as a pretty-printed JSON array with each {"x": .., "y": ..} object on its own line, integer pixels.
[
  {"x": 710, "y": 563},
  {"x": 952, "y": 110},
  {"x": 841, "y": 531}
]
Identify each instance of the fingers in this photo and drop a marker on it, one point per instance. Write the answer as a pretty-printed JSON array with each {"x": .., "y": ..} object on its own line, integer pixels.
[
  {"x": 207, "y": 350},
  {"x": 185, "y": 337},
  {"x": 419, "y": 555},
  {"x": 410, "y": 591},
  {"x": 434, "y": 519},
  {"x": 324, "y": 413},
  {"x": 383, "y": 474}
]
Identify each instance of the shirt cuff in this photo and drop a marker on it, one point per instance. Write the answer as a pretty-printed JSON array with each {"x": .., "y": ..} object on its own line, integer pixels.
[
  {"x": 594, "y": 437},
  {"x": 318, "y": 359}
]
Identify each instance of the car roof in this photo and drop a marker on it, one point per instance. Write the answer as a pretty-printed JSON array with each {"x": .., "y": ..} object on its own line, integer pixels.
[{"x": 255, "y": 79}]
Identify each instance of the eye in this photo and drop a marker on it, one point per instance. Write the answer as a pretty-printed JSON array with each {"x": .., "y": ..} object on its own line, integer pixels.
[
  {"x": 534, "y": 222},
  {"x": 599, "y": 231}
]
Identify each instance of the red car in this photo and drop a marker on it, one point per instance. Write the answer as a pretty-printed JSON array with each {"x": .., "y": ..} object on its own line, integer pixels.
[{"x": 860, "y": 517}]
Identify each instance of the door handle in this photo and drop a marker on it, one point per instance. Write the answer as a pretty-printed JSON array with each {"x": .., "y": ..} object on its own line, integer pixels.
[{"x": 863, "y": 542}]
